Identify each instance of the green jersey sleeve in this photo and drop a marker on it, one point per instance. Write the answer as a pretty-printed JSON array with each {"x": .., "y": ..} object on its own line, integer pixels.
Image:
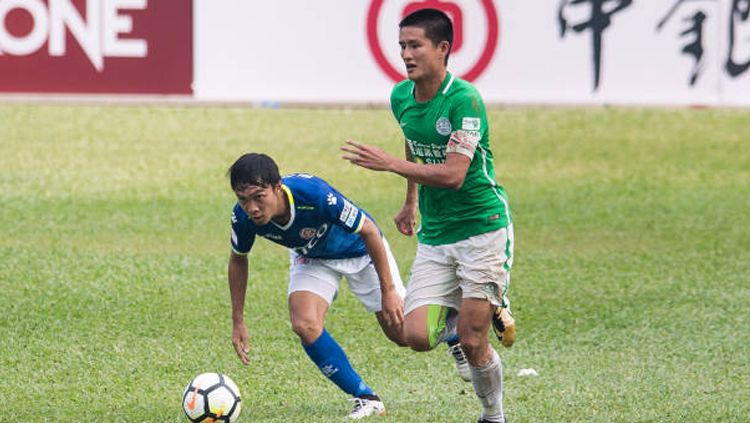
[{"x": 469, "y": 122}]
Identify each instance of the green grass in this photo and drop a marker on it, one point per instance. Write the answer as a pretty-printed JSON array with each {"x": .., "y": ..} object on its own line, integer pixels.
[{"x": 630, "y": 282}]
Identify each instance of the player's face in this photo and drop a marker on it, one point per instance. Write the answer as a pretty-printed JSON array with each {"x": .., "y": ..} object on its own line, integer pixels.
[
  {"x": 260, "y": 203},
  {"x": 423, "y": 59}
]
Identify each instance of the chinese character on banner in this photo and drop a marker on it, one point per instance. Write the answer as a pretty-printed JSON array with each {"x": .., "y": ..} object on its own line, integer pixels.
[
  {"x": 599, "y": 20},
  {"x": 739, "y": 38},
  {"x": 692, "y": 33},
  {"x": 738, "y": 55}
]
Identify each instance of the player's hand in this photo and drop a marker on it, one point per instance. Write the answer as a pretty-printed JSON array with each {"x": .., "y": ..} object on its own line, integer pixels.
[
  {"x": 240, "y": 342},
  {"x": 393, "y": 308},
  {"x": 367, "y": 156},
  {"x": 406, "y": 219}
]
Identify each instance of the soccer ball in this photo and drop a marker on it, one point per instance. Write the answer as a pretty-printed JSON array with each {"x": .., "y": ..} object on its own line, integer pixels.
[{"x": 211, "y": 397}]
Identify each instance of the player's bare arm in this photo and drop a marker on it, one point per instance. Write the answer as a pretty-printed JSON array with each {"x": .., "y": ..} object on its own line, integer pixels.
[
  {"x": 449, "y": 174},
  {"x": 237, "y": 275},
  {"x": 393, "y": 305},
  {"x": 406, "y": 218}
]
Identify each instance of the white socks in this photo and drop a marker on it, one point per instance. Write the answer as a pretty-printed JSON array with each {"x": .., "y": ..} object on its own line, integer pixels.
[{"x": 488, "y": 385}]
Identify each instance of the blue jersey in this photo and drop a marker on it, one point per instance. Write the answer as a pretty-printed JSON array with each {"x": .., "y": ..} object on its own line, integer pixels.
[{"x": 323, "y": 223}]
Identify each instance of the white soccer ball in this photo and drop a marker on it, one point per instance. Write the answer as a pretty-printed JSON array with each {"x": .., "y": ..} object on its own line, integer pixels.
[{"x": 211, "y": 397}]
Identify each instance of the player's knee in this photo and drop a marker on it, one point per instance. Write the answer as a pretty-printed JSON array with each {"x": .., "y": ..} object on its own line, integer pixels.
[
  {"x": 417, "y": 341},
  {"x": 396, "y": 337},
  {"x": 419, "y": 347},
  {"x": 475, "y": 346},
  {"x": 415, "y": 333},
  {"x": 307, "y": 330}
]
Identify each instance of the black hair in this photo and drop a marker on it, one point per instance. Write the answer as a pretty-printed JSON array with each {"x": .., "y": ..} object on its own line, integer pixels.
[
  {"x": 253, "y": 169},
  {"x": 436, "y": 24}
]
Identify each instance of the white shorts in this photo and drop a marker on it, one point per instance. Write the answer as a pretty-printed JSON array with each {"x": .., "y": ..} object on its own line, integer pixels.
[
  {"x": 477, "y": 267},
  {"x": 322, "y": 277}
]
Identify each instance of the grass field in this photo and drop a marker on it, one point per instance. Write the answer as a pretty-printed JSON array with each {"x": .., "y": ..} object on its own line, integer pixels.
[{"x": 631, "y": 282}]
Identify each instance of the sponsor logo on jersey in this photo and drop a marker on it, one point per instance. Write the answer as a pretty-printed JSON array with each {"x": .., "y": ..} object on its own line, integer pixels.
[
  {"x": 305, "y": 208},
  {"x": 348, "y": 214},
  {"x": 426, "y": 152},
  {"x": 331, "y": 199},
  {"x": 234, "y": 218},
  {"x": 443, "y": 126},
  {"x": 234, "y": 237},
  {"x": 276, "y": 237},
  {"x": 470, "y": 124},
  {"x": 307, "y": 233},
  {"x": 345, "y": 211},
  {"x": 352, "y": 217}
]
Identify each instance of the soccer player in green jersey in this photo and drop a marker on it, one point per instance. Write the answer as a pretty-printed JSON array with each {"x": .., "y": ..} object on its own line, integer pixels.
[{"x": 465, "y": 249}]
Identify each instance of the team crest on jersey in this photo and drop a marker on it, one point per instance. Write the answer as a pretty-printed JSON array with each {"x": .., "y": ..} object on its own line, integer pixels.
[
  {"x": 307, "y": 233},
  {"x": 443, "y": 126}
]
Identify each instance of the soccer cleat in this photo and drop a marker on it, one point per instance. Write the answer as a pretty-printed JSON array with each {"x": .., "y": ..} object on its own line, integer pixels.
[
  {"x": 462, "y": 365},
  {"x": 491, "y": 421},
  {"x": 504, "y": 326},
  {"x": 366, "y": 406}
]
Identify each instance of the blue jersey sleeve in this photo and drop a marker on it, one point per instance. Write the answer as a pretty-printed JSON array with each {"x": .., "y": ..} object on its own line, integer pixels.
[
  {"x": 343, "y": 212},
  {"x": 242, "y": 237}
]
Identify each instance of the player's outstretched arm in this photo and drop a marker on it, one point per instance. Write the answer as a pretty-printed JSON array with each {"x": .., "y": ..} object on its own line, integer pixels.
[
  {"x": 393, "y": 305},
  {"x": 449, "y": 174},
  {"x": 237, "y": 276}
]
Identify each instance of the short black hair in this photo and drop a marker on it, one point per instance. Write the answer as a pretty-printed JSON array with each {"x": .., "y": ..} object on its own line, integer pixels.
[
  {"x": 253, "y": 169},
  {"x": 436, "y": 24}
]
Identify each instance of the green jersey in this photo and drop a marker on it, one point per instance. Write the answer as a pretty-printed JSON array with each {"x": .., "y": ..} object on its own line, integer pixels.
[{"x": 453, "y": 121}]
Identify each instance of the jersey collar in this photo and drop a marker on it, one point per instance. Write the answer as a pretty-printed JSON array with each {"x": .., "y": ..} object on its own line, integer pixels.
[
  {"x": 292, "y": 213},
  {"x": 444, "y": 87}
]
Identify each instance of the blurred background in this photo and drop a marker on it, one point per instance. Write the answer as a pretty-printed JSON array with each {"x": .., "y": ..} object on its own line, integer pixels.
[{"x": 656, "y": 52}]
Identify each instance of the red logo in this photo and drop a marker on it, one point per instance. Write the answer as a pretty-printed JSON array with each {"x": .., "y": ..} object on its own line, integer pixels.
[
  {"x": 455, "y": 12},
  {"x": 96, "y": 46}
]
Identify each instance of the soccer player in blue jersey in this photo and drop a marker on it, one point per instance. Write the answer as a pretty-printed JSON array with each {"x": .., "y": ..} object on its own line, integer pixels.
[{"x": 328, "y": 237}]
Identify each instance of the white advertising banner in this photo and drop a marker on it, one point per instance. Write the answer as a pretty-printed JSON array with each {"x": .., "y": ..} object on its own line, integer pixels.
[
  {"x": 655, "y": 52},
  {"x": 639, "y": 52}
]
